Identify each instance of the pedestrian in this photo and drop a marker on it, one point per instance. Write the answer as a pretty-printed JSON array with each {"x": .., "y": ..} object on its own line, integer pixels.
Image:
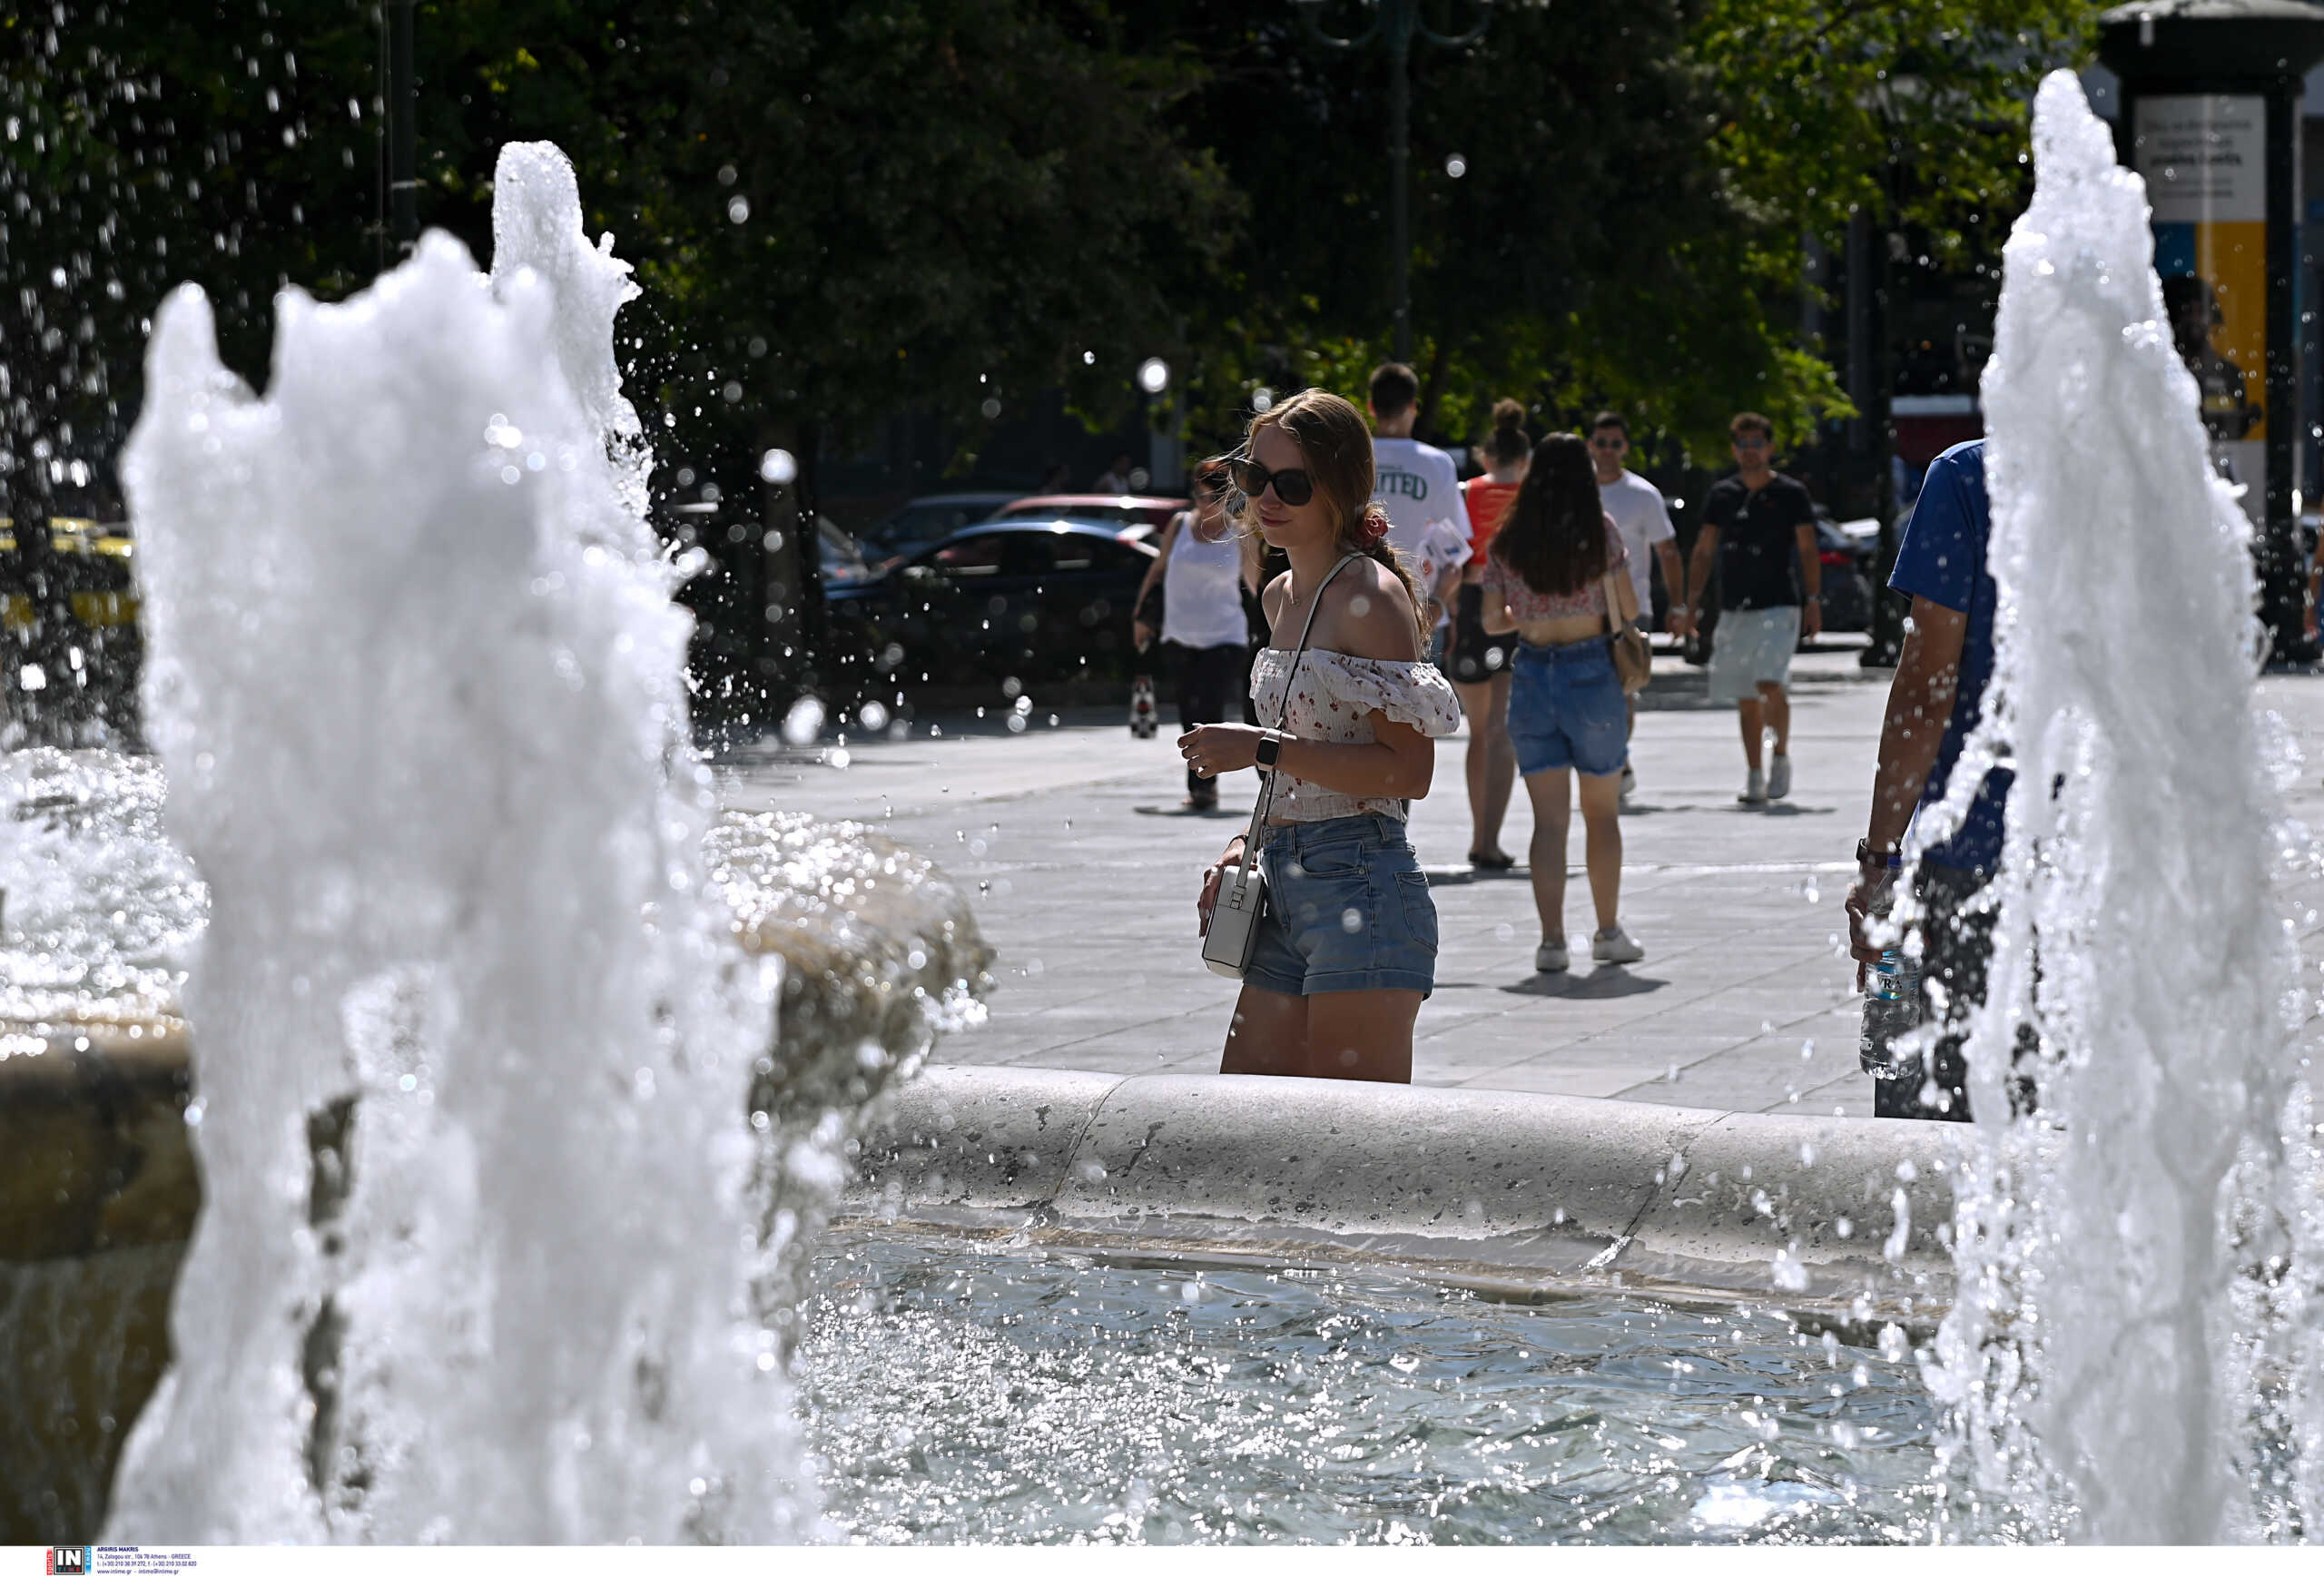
[
  {"x": 1116, "y": 476},
  {"x": 1644, "y": 521},
  {"x": 1761, "y": 527},
  {"x": 1202, "y": 570},
  {"x": 1557, "y": 576},
  {"x": 1933, "y": 707},
  {"x": 1347, "y": 950},
  {"x": 1418, "y": 487},
  {"x": 1477, "y": 662}
]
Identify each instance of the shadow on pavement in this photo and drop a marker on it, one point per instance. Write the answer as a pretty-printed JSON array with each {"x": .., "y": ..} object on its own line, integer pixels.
[{"x": 1610, "y": 981}]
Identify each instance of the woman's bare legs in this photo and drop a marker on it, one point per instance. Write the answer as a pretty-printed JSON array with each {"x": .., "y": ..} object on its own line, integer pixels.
[
  {"x": 1491, "y": 763},
  {"x": 1552, "y": 808},
  {"x": 1602, "y": 819},
  {"x": 1268, "y": 1034},
  {"x": 1363, "y": 1035}
]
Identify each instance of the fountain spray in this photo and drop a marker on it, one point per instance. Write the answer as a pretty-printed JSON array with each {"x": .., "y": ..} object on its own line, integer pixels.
[
  {"x": 475, "y": 1037},
  {"x": 2128, "y": 1341}
]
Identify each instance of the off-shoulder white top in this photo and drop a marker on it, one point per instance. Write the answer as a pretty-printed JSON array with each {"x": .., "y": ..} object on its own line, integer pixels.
[{"x": 1333, "y": 701}]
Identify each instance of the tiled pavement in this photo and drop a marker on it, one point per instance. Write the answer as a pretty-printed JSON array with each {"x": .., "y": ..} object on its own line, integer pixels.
[{"x": 1742, "y": 1003}]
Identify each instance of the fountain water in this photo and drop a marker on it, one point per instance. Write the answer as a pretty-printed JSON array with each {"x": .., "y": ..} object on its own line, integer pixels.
[
  {"x": 2133, "y": 1351},
  {"x": 475, "y": 1251}
]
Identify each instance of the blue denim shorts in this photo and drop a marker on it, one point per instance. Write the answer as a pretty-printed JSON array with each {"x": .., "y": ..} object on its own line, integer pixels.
[
  {"x": 1347, "y": 911},
  {"x": 1566, "y": 709}
]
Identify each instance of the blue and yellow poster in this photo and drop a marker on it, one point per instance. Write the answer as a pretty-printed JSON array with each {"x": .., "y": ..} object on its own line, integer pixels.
[{"x": 2204, "y": 157}]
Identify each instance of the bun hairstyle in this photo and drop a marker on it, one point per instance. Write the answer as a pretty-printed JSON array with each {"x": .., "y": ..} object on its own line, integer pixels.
[
  {"x": 1335, "y": 446},
  {"x": 1508, "y": 445},
  {"x": 1554, "y": 534}
]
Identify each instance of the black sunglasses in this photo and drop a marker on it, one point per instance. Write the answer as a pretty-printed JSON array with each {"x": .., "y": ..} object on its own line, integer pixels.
[{"x": 1294, "y": 487}]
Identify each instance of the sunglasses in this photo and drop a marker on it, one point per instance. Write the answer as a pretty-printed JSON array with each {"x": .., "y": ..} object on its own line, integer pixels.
[
  {"x": 1294, "y": 487},
  {"x": 1750, "y": 443},
  {"x": 1213, "y": 483},
  {"x": 1610, "y": 443}
]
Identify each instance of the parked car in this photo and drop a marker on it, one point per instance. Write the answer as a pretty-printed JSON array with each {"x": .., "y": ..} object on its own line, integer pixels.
[
  {"x": 1146, "y": 514},
  {"x": 1045, "y": 598},
  {"x": 92, "y": 562},
  {"x": 1847, "y": 563},
  {"x": 929, "y": 519}
]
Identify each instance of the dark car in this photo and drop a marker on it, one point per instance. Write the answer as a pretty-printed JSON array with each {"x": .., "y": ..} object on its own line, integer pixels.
[
  {"x": 1028, "y": 599},
  {"x": 931, "y": 519}
]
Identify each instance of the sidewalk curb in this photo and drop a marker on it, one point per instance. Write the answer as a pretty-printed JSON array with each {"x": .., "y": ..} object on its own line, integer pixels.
[{"x": 1532, "y": 1192}]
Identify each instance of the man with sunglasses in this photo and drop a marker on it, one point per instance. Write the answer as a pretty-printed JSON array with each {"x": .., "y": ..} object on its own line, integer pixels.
[
  {"x": 1644, "y": 521},
  {"x": 1761, "y": 526},
  {"x": 1419, "y": 487}
]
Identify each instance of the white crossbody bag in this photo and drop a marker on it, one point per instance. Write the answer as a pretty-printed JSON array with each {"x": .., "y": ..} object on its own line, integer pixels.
[{"x": 1242, "y": 902}]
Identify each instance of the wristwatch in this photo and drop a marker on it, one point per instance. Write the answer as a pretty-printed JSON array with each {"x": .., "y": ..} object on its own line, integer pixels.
[
  {"x": 1865, "y": 856},
  {"x": 1270, "y": 749}
]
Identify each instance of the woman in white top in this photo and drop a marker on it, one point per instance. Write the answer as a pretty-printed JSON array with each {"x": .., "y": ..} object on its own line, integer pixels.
[
  {"x": 1347, "y": 949},
  {"x": 1203, "y": 568}
]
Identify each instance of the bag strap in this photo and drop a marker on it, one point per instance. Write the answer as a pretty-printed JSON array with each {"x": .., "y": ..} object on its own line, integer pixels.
[
  {"x": 1266, "y": 793},
  {"x": 1606, "y": 582}
]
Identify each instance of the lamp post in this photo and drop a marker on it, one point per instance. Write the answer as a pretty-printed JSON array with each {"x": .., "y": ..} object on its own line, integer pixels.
[{"x": 1396, "y": 23}]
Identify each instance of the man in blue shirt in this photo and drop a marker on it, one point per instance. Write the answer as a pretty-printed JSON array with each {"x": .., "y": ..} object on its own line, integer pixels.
[{"x": 1933, "y": 706}]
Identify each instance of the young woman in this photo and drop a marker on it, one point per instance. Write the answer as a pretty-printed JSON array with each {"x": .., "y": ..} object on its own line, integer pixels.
[
  {"x": 1479, "y": 663},
  {"x": 1201, "y": 568},
  {"x": 1348, "y": 947},
  {"x": 1553, "y": 562}
]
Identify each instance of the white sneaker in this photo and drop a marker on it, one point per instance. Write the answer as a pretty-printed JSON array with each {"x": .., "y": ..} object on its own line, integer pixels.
[
  {"x": 1629, "y": 779},
  {"x": 1615, "y": 946},
  {"x": 1550, "y": 958},
  {"x": 1778, "y": 777},
  {"x": 1755, "y": 789}
]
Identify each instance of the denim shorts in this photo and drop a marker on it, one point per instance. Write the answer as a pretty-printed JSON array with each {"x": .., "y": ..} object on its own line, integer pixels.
[
  {"x": 1347, "y": 911},
  {"x": 1566, "y": 709}
]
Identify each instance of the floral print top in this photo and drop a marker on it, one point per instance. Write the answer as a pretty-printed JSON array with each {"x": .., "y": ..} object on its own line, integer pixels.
[{"x": 1333, "y": 701}]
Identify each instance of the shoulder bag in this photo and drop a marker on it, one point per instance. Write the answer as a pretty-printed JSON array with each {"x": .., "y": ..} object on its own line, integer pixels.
[
  {"x": 1633, "y": 658},
  {"x": 1242, "y": 902}
]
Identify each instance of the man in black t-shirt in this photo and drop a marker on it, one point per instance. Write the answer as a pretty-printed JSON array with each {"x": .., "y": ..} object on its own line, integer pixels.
[{"x": 1761, "y": 524}]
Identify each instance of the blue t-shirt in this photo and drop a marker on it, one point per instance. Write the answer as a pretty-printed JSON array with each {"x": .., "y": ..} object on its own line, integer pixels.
[{"x": 1942, "y": 558}]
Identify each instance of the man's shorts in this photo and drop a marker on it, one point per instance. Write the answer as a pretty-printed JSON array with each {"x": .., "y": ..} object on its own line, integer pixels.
[
  {"x": 1566, "y": 709},
  {"x": 1751, "y": 647}
]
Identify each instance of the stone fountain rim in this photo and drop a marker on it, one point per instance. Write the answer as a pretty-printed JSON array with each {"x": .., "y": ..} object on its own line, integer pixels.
[{"x": 1240, "y": 1170}]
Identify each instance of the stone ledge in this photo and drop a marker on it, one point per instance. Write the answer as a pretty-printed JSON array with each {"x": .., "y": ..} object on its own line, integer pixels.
[{"x": 1539, "y": 1189}]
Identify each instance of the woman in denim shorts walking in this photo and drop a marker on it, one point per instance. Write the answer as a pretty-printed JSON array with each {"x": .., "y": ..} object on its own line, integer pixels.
[
  {"x": 1552, "y": 564},
  {"x": 1347, "y": 949}
]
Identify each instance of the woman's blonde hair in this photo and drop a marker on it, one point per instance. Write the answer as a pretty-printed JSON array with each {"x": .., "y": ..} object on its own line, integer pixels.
[{"x": 1335, "y": 443}]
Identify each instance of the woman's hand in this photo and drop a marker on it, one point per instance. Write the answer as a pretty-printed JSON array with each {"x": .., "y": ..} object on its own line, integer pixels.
[
  {"x": 1211, "y": 877},
  {"x": 1217, "y": 747}
]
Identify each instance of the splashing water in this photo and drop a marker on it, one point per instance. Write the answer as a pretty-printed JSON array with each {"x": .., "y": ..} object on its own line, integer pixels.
[
  {"x": 473, "y": 1260},
  {"x": 2128, "y": 1356}
]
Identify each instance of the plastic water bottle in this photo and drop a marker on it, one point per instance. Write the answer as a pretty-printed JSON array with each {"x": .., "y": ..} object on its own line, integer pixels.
[
  {"x": 1892, "y": 1009},
  {"x": 1892, "y": 1000}
]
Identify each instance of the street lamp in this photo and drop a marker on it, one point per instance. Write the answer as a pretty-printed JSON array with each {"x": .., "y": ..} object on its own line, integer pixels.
[{"x": 1396, "y": 22}]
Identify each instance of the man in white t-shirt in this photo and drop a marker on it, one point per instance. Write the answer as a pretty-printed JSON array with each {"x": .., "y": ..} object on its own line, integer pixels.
[
  {"x": 1419, "y": 487},
  {"x": 1636, "y": 505}
]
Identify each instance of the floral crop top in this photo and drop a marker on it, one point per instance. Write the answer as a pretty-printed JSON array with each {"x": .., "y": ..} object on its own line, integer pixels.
[
  {"x": 1332, "y": 700},
  {"x": 1526, "y": 605}
]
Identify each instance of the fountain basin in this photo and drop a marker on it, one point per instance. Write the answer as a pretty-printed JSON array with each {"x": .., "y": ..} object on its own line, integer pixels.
[{"x": 101, "y": 1189}]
